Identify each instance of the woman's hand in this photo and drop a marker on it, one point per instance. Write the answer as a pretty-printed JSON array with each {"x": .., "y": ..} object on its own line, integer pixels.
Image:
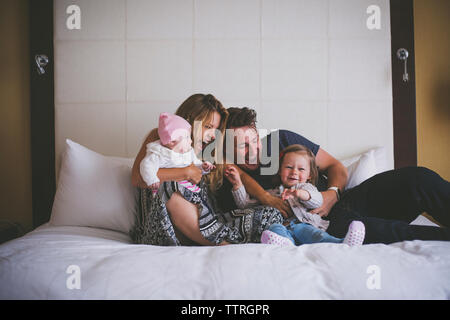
[
  {"x": 193, "y": 174},
  {"x": 329, "y": 199},
  {"x": 232, "y": 175}
]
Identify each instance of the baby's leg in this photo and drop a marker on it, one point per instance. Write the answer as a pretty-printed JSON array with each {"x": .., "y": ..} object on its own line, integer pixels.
[
  {"x": 188, "y": 185},
  {"x": 305, "y": 233},
  {"x": 277, "y": 234}
]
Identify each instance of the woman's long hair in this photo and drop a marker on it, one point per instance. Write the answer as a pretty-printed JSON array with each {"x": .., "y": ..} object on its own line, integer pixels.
[{"x": 201, "y": 107}]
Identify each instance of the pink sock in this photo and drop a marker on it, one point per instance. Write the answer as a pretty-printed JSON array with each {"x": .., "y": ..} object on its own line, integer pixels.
[
  {"x": 355, "y": 234},
  {"x": 269, "y": 237}
]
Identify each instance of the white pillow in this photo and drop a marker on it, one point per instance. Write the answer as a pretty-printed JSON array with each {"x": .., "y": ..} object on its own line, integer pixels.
[
  {"x": 363, "y": 166},
  {"x": 379, "y": 155},
  {"x": 381, "y": 159},
  {"x": 94, "y": 191}
]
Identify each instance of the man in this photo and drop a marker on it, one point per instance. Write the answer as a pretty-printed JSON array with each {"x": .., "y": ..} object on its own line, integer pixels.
[
  {"x": 247, "y": 146},
  {"x": 385, "y": 203}
]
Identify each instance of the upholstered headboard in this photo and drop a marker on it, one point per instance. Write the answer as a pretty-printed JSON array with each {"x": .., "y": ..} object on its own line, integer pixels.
[{"x": 320, "y": 68}]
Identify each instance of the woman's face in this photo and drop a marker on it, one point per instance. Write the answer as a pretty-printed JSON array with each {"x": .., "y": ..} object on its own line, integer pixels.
[{"x": 209, "y": 129}]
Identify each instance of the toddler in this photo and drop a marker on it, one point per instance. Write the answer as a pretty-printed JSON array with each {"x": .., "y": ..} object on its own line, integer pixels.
[{"x": 298, "y": 174}]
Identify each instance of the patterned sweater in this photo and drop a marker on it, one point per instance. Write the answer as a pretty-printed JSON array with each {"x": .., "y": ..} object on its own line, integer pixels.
[{"x": 299, "y": 207}]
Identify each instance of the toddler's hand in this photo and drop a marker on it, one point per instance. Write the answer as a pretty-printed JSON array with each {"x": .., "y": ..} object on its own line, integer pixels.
[
  {"x": 232, "y": 175},
  {"x": 298, "y": 193},
  {"x": 288, "y": 193}
]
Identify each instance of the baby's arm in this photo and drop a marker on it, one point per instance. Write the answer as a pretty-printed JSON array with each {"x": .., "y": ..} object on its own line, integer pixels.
[
  {"x": 301, "y": 194},
  {"x": 233, "y": 176},
  {"x": 315, "y": 197},
  {"x": 240, "y": 195},
  {"x": 206, "y": 166},
  {"x": 306, "y": 193},
  {"x": 149, "y": 168}
]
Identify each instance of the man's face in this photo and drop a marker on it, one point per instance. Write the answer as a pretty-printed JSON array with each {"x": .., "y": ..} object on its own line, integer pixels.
[{"x": 246, "y": 148}]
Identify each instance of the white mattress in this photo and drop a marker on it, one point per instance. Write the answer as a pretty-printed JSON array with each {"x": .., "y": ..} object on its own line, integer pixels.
[{"x": 34, "y": 267}]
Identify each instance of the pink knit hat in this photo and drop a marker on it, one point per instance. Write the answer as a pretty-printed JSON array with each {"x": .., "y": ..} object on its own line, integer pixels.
[{"x": 171, "y": 127}]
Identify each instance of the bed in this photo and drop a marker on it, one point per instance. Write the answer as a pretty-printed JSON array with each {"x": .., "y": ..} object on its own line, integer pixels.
[{"x": 85, "y": 252}]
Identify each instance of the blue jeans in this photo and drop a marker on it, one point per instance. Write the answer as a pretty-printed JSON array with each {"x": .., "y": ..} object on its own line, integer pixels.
[{"x": 303, "y": 233}]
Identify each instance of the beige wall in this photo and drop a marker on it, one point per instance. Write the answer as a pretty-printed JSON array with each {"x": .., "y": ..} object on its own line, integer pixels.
[
  {"x": 15, "y": 161},
  {"x": 432, "y": 48}
]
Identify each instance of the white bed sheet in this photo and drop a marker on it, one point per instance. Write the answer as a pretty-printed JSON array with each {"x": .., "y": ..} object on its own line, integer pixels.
[{"x": 34, "y": 267}]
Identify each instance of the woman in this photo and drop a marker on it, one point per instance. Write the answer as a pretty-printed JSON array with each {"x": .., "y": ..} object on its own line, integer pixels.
[{"x": 175, "y": 216}]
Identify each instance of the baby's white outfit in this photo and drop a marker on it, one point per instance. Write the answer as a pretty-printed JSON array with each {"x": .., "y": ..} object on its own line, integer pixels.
[{"x": 159, "y": 156}]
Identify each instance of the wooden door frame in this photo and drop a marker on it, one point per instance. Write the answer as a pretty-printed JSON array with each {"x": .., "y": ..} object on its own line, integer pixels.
[
  {"x": 42, "y": 109},
  {"x": 403, "y": 93}
]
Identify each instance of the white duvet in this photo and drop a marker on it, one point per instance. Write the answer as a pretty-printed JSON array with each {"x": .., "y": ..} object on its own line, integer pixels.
[{"x": 89, "y": 263}]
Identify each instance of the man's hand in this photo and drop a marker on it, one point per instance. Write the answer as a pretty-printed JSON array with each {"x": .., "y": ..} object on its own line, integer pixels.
[
  {"x": 279, "y": 204},
  {"x": 329, "y": 199}
]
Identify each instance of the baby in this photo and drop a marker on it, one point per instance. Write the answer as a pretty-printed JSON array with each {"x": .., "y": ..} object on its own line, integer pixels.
[
  {"x": 173, "y": 150},
  {"x": 298, "y": 174}
]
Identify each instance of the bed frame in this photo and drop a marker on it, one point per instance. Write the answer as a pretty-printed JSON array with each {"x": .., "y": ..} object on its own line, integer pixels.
[{"x": 42, "y": 100}]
